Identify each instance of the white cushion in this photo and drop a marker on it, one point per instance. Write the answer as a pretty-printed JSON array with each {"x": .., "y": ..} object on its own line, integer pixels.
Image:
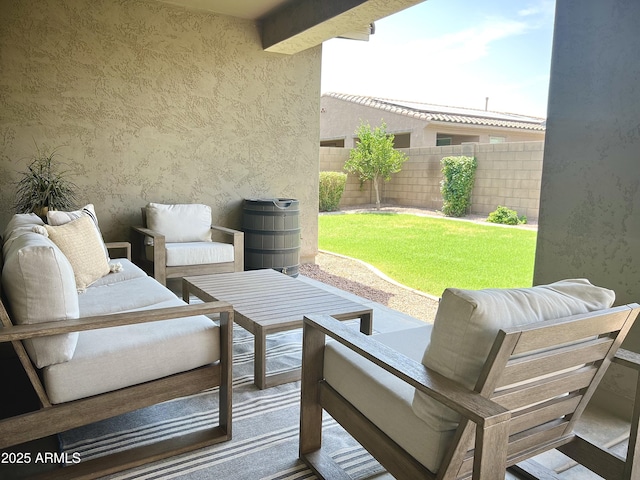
[
  {"x": 82, "y": 247},
  {"x": 180, "y": 223},
  {"x": 58, "y": 217},
  {"x": 113, "y": 358},
  {"x": 468, "y": 321},
  {"x": 198, "y": 253},
  {"x": 128, "y": 271},
  {"x": 383, "y": 398},
  {"x": 40, "y": 286},
  {"x": 19, "y": 224},
  {"x": 132, "y": 294}
]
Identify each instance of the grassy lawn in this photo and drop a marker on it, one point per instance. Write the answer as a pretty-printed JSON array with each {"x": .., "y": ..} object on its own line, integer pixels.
[{"x": 431, "y": 254}]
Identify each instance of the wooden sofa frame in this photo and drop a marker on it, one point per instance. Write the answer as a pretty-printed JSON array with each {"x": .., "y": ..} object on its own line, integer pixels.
[
  {"x": 51, "y": 419},
  {"x": 493, "y": 434},
  {"x": 158, "y": 266}
]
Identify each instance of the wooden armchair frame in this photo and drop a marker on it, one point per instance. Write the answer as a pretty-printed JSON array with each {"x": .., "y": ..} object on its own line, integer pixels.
[
  {"x": 158, "y": 266},
  {"x": 51, "y": 419},
  {"x": 495, "y": 432}
]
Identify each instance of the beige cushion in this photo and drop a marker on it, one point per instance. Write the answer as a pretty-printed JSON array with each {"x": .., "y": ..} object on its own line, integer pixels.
[
  {"x": 19, "y": 224},
  {"x": 112, "y": 358},
  {"x": 80, "y": 244},
  {"x": 385, "y": 399},
  {"x": 180, "y": 223},
  {"x": 40, "y": 286},
  {"x": 198, "y": 253},
  {"x": 468, "y": 321},
  {"x": 58, "y": 217}
]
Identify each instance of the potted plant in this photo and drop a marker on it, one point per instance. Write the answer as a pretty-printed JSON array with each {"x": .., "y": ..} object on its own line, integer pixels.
[{"x": 43, "y": 186}]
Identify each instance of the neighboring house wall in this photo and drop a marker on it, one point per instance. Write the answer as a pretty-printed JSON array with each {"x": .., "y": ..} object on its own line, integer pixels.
[
  {"x": 339, "y": 119},
  {"x": 151, "y": 102},
  {"x": 508, "y": 174}
]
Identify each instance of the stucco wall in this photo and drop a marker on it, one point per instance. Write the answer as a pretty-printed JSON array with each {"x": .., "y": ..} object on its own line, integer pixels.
[
  {"x": 151, "y": 102},
  {"x": 590, "y": 200},
  {"x": 508, "y": 174}
]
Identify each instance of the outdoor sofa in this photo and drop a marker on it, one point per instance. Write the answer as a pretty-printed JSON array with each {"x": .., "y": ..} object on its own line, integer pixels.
[{"x": 97, "y": 337}]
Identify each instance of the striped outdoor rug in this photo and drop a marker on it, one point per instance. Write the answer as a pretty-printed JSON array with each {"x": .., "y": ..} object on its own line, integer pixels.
[{"x": 265, "y": 427}]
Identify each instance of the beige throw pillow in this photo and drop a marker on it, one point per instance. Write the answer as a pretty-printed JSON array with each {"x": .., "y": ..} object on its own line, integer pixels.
[
  {"x": 59, "y": 217},
  {"x": 82, "y": 247}
]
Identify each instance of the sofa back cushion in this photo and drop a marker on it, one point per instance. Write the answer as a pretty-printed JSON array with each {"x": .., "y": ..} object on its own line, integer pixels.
[
  {"x": 468, "y": 321},
  {"x": 180, "y": 223},
  {"x": 39, "y": 284}
]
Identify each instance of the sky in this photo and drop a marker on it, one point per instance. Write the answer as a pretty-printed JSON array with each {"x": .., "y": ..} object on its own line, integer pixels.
[{"x": 451, "y": 52}]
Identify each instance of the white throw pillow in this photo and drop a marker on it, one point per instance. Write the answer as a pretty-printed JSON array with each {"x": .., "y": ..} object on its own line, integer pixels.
[
  {"x": 80, "y": 244},
  {"x": 58, "y": 217},
  {"x": 40, "y": 286},
  {"x": 468, "y": 321},
  {"x": 181, "y": 222}
]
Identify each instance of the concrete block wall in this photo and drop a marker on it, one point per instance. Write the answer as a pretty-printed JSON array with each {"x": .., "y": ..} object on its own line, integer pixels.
[{"x": 508, "y": 174}]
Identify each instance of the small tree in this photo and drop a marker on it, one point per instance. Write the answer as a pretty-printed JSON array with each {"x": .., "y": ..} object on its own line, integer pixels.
[{"x": 374, "y": 158}]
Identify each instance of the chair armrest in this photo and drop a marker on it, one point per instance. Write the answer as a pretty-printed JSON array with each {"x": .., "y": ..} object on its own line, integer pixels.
[
  {"x": 120, "y": 245},
  {"x": 147, "y": 232},
  {"x": 627, "y": 358},
  {"x": 45, "y": 329},
  {"x": 238, "y": 245},
  {"x": 466, "y": 402},
  {"x": 228, "y": 231}
]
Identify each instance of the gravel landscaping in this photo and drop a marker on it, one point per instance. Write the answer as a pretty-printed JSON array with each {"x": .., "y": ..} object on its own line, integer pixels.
[{"x": 354, "y": 277}]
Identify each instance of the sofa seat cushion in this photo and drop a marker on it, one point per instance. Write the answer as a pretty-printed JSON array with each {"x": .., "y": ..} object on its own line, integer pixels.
[
  {"x": 383, "y": 398},
  {"x": 113, "y": 358},
  {"x": 198, "y": 253},
  {"x": 114, "y": 297},
  {"x": 39, "y": 283},
  {"x": 129, "y": 271},
  {"x": 468, "y": 321}
]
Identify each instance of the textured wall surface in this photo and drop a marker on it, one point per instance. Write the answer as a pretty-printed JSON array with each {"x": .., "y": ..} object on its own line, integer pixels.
[
  {"x": 590, "y": 200},
  {"x": 149, "y": 102}
]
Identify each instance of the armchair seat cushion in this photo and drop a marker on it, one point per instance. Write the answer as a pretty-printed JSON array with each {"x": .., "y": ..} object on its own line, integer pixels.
[
  {"x": 134, "y": 354},
  {"x": 383, "y": 398},
  {"x": 198, "y": 253}
]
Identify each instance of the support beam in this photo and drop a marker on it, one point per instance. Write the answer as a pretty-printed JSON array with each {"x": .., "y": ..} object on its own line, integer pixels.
[{"x": 304, "y": 24}]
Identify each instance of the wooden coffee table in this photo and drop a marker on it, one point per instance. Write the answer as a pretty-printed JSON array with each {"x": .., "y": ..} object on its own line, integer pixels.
[{"x": 265, "y": 302}]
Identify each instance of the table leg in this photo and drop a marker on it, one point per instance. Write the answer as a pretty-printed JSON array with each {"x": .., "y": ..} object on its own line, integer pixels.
[
  {"x": 366, "y": 323},
  {"x": 260, "y": 360}
]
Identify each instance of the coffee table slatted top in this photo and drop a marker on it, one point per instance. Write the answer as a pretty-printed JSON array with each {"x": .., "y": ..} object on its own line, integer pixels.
[
  {"x": 269, "y": 298},
  {"x": 266, "y": 302}
]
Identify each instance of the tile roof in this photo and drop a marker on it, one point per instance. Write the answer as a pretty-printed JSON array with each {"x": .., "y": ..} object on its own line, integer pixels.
[{"x": 439, "y": 113}]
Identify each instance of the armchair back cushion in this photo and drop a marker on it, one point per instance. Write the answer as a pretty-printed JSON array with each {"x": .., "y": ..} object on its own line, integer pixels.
[
  {"x": 468, "y": 321},
  {"x": 40, "y": 286},
  {"x": 180, "y": 223}
]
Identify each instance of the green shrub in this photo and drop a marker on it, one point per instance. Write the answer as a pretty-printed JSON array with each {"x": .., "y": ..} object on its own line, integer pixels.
[
  {"x": 457, "y": 184},
  {"x": 332, "y": 186},
  {"x": 506, "y": 216}
]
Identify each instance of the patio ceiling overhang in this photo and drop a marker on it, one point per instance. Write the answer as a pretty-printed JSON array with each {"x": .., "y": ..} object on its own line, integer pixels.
[{"x": 291, "y": 26}]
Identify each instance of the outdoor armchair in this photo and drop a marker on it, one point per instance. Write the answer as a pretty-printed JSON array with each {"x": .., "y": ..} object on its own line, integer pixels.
[
  {"x": 505, "y": 375},
  {"x": 176, "y": 241}
]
